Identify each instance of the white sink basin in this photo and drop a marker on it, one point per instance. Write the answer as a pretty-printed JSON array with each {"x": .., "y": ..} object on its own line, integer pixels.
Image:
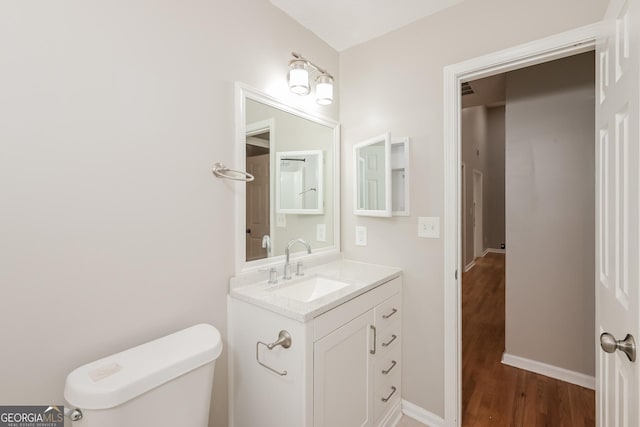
[{"x": 310, "y": 289}]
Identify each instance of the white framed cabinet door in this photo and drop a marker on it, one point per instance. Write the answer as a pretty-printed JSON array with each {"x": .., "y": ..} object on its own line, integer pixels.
[
  {"x": 343, "y": 375},
  {"x": 617, "y": 214}
]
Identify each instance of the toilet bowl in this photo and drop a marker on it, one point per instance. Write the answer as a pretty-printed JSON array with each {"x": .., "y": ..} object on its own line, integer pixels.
[{"x": 163, "y": 383}]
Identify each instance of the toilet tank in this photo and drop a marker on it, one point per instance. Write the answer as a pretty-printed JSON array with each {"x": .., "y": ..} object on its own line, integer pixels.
[{"x": 163, "y": 383}]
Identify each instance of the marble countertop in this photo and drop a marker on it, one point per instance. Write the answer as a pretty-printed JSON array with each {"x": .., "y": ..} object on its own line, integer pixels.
[{"x": 360, "y": 277}]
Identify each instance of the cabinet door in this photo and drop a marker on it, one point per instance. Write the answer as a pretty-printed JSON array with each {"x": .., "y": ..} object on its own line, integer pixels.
[{"x": 343, "y": 375}]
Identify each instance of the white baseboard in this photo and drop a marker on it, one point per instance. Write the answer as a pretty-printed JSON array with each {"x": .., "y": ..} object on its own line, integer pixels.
[
  {"x": 550, "y": 371},
  {"x": 422, "y": 415},
  {"x": 469, "y": 266},
  {"x": 494, "y": 250}
]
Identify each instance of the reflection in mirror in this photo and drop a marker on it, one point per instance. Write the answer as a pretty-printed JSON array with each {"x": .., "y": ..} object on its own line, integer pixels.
[
  {"x": 372, "y": 177},
  {"x": 292, "y": 157},
  {"x": 299, "y": 182}
]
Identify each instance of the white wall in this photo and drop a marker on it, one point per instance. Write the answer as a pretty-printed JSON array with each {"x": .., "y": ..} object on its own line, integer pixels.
[
  {"x": 394, "y": 83},
  {"x": 475, "y": 132},
  {"x": 113, "y": 230},
  {"x": 550, "y": 199}
]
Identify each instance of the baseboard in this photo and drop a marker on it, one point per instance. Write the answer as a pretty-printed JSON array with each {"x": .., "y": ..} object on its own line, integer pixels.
[
  {"x": 469, "y": 266},
  {"x": 550, "y": 371},
  {"x": 493, "y": 250},
  {"x": 422, "y": 415}
]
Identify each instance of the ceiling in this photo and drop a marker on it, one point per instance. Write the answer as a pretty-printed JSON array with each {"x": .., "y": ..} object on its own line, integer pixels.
[
  {"x": 489, "y": 91},
  {"x": 346, "y": 23}
]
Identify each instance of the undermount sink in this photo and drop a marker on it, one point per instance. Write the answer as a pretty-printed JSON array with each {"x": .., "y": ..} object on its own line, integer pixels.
[{"x": 310, "y": 289}]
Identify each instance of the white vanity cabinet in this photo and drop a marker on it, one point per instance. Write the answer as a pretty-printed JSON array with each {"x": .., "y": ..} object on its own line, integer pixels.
[{"x": 343, "y": 367}]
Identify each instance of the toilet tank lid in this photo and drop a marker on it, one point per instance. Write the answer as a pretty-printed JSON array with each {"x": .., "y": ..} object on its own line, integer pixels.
[{"x": 115, "y": 379}]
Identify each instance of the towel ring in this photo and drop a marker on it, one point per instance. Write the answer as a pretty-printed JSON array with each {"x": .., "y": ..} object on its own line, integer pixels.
[{"x": 221, "y": 171}]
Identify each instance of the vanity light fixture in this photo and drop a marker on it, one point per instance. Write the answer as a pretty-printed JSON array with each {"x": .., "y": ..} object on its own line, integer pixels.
[{"x": 299, "y": 70}]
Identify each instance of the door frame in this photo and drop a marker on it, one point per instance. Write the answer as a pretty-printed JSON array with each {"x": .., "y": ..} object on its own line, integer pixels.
[
  {"x": 573, "y": 42},
  {"x": 255, "y": 128}
]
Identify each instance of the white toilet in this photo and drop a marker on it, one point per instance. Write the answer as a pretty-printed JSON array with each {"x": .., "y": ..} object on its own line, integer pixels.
[{"x": 163, "y": 383}]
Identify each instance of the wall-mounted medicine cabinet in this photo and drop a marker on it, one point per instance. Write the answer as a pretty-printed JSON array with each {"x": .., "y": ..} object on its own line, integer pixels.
[
  {"x": 299, "y": 182},
  {"x": 372, "y": 176},
  {"x": 400, "y": 177}
]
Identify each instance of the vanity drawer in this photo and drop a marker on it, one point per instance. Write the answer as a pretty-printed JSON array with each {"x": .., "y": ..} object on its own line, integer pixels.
[
  {"x": 388, "y": 339},
  {"x": 386, "y": 395},
  {"x": 387, "y": 364},
  {"x": 388, "y": 311}
]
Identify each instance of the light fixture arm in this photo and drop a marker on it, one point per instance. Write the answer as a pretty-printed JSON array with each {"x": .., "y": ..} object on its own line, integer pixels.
[{"x": 310, "y": 64}]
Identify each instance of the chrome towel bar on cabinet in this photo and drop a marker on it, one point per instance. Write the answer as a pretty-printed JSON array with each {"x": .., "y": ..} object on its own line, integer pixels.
[{"x": 221, "y": 171}]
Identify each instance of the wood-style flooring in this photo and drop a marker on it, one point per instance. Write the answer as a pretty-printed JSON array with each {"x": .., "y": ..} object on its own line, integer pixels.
[{"x": 494, "y": 394}]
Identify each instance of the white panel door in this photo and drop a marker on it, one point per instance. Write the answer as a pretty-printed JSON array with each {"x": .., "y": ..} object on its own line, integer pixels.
[
  {"x": 617, "y": 214},
  {"x": 343, "y": 376}
]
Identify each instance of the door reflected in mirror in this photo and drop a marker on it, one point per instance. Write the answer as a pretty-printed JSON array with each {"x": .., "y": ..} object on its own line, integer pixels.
[
  {"x": 372, "y": 177},
  {"x": 293, "y": 194}
]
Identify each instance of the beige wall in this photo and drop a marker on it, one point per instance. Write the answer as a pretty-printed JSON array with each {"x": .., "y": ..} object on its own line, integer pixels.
[
  {"x": 494, "y": 220},
  {"x": 394, "y": 83},
  {"x": 550, "y": 163},
  {"x": 113, "y": 230}
]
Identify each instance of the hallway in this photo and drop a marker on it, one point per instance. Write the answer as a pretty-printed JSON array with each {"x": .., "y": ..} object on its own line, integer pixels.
[{"x": 494, "y": 394}]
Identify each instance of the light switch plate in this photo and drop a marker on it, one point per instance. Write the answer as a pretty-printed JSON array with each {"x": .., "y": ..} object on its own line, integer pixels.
[
  {"x": 321, "y": 232},
  {"x": 281, "y": 220},
  {"x": 361, "y": 235},
  {"x": 429, "y": 227}
]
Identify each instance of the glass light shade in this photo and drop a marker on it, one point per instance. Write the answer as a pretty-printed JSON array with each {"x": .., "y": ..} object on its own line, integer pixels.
[
  {"x": 299, "y": 78},
  {"x": 324, "y": 89}
]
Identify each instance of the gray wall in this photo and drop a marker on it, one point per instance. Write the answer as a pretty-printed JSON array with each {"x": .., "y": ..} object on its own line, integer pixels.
[
  {"x": 475, "y": 134},
  {"x": 483, "y": 150},
  {"x": 113, "y": 230},
  {"x": 495, "y": 220},
  {"x": 394, "y": 83},
  {"x": 550, "y": 225}
]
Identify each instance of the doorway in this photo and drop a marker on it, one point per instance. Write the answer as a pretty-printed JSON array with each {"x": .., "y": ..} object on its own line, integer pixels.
[{"x": 566, "y": 44}]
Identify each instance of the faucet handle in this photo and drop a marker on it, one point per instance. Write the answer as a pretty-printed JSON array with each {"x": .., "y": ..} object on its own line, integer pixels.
[
  {"x": 299, "y": 269},
  {"x": 273, "y": 275}
]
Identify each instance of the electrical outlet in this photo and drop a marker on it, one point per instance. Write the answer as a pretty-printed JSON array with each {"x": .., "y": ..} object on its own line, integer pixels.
[
  {"x": 321, "y": 232},
  {"x": 361, "y": 235},
  {"x": 281, "y": 220},
  {"x": 429, "y": 227}
]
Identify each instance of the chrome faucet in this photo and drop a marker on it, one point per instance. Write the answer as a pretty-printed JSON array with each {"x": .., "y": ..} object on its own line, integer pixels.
[{"x": 287, "y": 267}]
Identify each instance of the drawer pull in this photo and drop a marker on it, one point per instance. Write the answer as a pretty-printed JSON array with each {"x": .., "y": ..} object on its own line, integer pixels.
[
  {"x": 386, "y": 399},
  {"x": 388, "y": 343},
  {"x": 386, "y": 316},
  {"x": 393, "y": 365},
  {"x": 375, "y": 336}
]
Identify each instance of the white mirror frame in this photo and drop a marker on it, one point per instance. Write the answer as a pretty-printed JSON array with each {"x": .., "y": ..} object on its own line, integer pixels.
[
  {"x": 405, "y": 159},
  {"x": 386, "y": 212},
  {"x": 243, "y": 92},
  {"x": 318, "y": 188}
]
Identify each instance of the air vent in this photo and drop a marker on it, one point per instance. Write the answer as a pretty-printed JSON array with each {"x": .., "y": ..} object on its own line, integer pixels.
[{"x": 467, "y": 89}]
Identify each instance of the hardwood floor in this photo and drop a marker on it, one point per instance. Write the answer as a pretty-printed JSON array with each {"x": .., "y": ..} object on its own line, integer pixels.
[{"x": 494, "y": 394}]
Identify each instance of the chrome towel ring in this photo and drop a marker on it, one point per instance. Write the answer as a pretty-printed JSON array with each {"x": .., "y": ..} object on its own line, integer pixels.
[{"x": 221, "y": 171}]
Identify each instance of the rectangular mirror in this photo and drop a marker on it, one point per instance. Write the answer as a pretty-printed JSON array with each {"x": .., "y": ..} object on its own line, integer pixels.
[
  {"x": 372, "y": 176},
  {"x": 400, "y": 177},
  {"x": 294, "y": 157},
  {"x": 299, "y": 182}
]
